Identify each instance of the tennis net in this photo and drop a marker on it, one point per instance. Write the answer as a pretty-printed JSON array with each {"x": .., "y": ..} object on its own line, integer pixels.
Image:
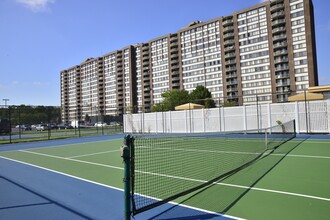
[{"x": 165, "y": 167}]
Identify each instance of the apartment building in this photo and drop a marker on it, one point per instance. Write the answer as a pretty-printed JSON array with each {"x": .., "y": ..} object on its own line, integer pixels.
[{"x": 260, "y": 54}]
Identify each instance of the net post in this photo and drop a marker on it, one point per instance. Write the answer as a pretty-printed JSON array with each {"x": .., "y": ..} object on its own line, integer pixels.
[
  {"x": 126, "y": 155},
  {"x": 294, "y": 128},
  {"x": 266, "y": 139}
]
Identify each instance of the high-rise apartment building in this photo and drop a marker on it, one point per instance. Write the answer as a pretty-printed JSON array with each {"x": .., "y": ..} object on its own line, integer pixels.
[{"x": 260, "y": 54}]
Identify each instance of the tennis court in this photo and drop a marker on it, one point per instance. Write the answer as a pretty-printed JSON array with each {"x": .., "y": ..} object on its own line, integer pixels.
[{"x": 83, "y": 179}]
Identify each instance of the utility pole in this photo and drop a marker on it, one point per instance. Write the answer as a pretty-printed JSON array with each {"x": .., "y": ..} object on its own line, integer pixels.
[{"x": 5, "y": 100}]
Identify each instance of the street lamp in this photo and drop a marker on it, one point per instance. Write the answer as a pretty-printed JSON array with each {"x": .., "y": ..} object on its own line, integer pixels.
[{"x": 5, "y": 100}]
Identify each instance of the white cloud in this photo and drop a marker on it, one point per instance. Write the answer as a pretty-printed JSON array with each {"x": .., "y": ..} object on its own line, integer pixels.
[
  {"x": 261, "y": 1},
  {"x": 36, "y": 5},
  {"x": 40, "y": 84}
]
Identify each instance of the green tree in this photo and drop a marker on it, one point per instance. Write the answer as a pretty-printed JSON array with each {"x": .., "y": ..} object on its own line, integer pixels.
[
  {"x": 171, "y": 99},
  {"x": 201, "y": 95},
  {"x": 230, "y": 104}
]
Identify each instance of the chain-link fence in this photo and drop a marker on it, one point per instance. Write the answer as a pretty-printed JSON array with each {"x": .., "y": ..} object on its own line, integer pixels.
[{"x": 32, "y": 123}]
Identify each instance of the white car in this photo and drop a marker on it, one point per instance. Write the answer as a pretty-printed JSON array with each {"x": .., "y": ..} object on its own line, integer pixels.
[
  {"x": 100, "y": 124},
  {"x": 41, "y": 127}
]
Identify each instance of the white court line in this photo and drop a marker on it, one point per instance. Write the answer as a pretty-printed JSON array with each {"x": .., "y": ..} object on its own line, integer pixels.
[
  {"x": 303, "y": 156},
  {"x": 115, "y": 188},
  {"x": 65, "y": 145},
  {"x": 79, "y": 161},
  {"x": 196, "y": 180},
  {"x": 83, "y": 155},
  {"x": 235, "y": 152}
]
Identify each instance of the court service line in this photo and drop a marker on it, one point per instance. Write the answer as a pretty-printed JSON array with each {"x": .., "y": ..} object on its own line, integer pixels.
[
  {"x": 236, "y": 152},
  {"x": 191, "y": 179},
  {"x": 79, "y": 161},
  {"x": 83, "y": 155},
  {"x": 304, "y": 156}
]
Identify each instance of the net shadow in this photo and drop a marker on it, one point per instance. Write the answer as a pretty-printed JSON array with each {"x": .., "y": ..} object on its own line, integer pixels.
[{"x": 221, "y": 196}]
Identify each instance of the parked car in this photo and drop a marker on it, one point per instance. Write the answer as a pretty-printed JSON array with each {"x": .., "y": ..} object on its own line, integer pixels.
[
  {"x": 114, "y": 123},
  {"x": 24, "y": 127},
  {"x": 65, "y": 126},
  {"x": 41, "y": 127},
  {"x": 4, "y": 126},
  {"x": 52, "y": 126},
  {"x": 100, "y": 124}
]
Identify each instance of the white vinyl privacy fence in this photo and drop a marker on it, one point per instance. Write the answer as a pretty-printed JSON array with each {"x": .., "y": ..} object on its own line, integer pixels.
[{"x": 311, "y": 117}]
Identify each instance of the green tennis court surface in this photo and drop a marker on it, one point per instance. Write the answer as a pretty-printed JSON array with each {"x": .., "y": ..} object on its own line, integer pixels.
[{"x": 293, "y": 182}]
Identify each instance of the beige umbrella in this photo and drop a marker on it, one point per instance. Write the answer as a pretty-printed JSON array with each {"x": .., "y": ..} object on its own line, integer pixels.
[
  {"x": 309, "y": 97},
  {"x": 189, "y": 106}
]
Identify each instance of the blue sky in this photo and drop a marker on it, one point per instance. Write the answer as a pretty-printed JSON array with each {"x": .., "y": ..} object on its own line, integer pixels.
[{"x": 39, "y": 38}]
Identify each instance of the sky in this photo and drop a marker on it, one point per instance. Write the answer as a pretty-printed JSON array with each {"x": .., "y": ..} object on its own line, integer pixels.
[{"x": 39, "y": 38}]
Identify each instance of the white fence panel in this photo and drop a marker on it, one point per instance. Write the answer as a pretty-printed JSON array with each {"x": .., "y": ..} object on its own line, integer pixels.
[
  {"x": 233, "y": 118},
  {"x": 179, "y": 124},
  {"x": 212, "y": 120},
  {"x": 318, "y": 116}
]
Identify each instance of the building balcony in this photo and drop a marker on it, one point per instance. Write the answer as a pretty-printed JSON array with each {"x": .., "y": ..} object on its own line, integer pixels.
[
  {"x": 175, "y": 55},
  {"x": 232, "y": 94},
  {"x": 228, "y": 35},
  {"x": 173, "y": 40},
  {"x": 145, "y": 53},
  {"x": 229, "y": 48},
  {"x": 281, "y": 68},
  {"x": 229, "y": 42},
  {"x": 280, "y": 52},
  {"x": 174, "y": 73},
  {"x": 174, "y": 44},
  {"x": 230, "y": 62},
  {"x": 174, "y": 67},
  {"x": 232, "y": 75},
  {"x": 281, "y": 84},
  {"x": 279, "y": 45},
  {"x": 279, "y": 37},
  {"x": 278, "y": 22},
  {"x": 175, "y": 78},
  {"x": 281, "y": 60},
  {"x": 282, "y": 76},
  {"x": 227, "y": 22},
  {"x": 230, "y": 69},
  {"x": 232, "y": 89},
  {"x": 278, "y": 30},
  {"x": 174, "y": 49},
  {"x": 277, "y": 7},
  {"x": 278, "y": 14},
  {"x": 228, "y": 28},
  {"x": 176, "y": 84},
  {"x": 231, "y": 82},
  {"x": 228, "y": 55}
]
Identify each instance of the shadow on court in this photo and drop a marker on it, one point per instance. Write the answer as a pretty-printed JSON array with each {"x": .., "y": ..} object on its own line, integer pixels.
[
  {"x": 221, "y": 196},
  {"x": 19, "y": 202}
]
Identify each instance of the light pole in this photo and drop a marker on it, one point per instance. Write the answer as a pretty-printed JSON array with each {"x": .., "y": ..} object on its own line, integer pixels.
[{"x": 5, "y": 100}]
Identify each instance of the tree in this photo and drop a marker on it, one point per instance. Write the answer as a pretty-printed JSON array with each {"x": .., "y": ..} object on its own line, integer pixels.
[
  {"x": 171, "y": 99},
  {"x": 201, "y": 95},
  {"x": 230, "y": 104}
]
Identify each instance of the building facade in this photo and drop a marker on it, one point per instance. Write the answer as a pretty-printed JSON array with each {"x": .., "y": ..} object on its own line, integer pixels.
[{"x": 260, "y": 54}]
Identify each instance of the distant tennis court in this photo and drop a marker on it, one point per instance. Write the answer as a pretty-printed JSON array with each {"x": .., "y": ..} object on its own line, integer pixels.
[{"x": 291, "y": 182}]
